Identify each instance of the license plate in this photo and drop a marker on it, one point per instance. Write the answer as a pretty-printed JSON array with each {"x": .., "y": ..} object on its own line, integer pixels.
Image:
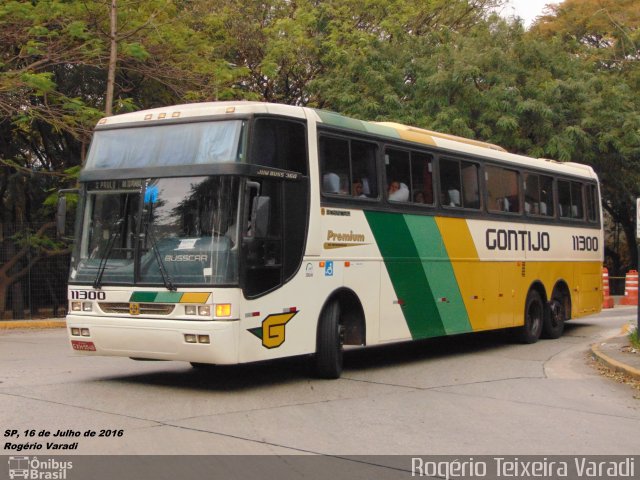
[{"x": 84, "y": 346}]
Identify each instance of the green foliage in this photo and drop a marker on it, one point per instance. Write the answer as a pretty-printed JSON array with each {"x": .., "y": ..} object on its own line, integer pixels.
[
  {"x": 567, "y": 89},
  {"x": 634, "y": 339}
]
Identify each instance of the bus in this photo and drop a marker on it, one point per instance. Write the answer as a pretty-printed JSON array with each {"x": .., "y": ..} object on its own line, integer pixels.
[{"x": 232, "y": 232}]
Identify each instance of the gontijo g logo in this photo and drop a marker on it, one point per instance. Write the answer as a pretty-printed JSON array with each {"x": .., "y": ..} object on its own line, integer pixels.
[{"x": 272, "y": 331}]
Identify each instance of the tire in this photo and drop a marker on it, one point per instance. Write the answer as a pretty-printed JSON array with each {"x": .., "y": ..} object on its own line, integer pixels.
[
  {"x": 203, "y": 366},
  {"x": 328, "y": 358},
  {"x": 533, "y": 318},
  {"x": 554, "y": 319}
]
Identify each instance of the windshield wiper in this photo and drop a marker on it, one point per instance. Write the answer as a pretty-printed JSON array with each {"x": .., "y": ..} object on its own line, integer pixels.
[
  {"x": 107, "y": 253},
  {"x": 166, "y": 279}
]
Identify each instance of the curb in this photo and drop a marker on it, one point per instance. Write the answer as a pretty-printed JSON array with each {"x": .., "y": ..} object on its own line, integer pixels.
[
  {"x": 16, "y": 324},
  {"x": 614, "y": 364}
]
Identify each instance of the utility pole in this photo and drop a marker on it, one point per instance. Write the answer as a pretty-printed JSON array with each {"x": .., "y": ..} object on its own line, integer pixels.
[{"x": 113, "y": 58}]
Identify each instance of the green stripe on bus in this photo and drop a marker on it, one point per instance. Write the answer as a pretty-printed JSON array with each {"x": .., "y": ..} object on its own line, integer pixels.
[
  {"x": 407, "y": 274},
  {"x": 168, "y": 297},
  {"x": 337, "y": 120},
  {"x": 439, "y": 272},
  {"x": 421, "y": 273},
  {"x": 143, "y": 297}
]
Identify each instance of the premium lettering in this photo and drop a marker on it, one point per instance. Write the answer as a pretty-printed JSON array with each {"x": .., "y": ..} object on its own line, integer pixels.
[{"x": 345, "y": 237}]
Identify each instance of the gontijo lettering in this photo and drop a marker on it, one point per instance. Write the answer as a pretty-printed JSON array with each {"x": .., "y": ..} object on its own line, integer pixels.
[{"x": 518, "y": 240}]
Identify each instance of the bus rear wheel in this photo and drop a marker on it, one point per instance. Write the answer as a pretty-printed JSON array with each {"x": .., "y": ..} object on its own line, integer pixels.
[
  {"x": 533, "y": 318},
  {"x": 554, "y": 319},
  {"x": 328, "y": 358}
]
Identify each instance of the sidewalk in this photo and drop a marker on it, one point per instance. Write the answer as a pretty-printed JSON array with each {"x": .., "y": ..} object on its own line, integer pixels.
[
  {"x": 617, "y": 354},
  {"x": 20, "y": 324}
]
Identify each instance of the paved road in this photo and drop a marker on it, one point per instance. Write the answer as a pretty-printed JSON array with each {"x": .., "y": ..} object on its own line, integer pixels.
[{"x": 468, "y": 395}]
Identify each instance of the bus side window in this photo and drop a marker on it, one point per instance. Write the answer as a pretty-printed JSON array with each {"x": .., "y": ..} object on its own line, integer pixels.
[
  {"x": 503, "y": 192},
  {"x": 422, "y": 178},
  {"x": 363, "y": 167},
  {"x": 459, "y": 185},
  {"x": 398, "y": 175},
  {"x": 348, "y": 167},
  {"x": 334, "y": 165},
  {"x": 570, "y": 200},
  {"x": 538, "y": 194},
  {"x": 280, "y": 144}
]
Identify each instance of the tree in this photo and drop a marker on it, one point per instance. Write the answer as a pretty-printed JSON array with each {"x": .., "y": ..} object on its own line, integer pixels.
[
  {"x": 605, "y": 35},
  {"x": 54, "y": 62}
]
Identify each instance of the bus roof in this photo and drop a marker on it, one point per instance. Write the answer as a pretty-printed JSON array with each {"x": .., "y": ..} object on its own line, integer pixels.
[{"x": 390, "y": 130}]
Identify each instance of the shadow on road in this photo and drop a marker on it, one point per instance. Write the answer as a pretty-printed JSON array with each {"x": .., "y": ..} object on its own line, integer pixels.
[{"x": 230, "y": 378}]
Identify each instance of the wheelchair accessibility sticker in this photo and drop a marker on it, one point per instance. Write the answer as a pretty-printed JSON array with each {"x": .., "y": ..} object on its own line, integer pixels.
[{"x": 328, "y": 268}]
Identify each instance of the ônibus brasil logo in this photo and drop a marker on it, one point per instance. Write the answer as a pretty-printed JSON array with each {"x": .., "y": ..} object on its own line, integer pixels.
[{"x": 33, "y": 468}]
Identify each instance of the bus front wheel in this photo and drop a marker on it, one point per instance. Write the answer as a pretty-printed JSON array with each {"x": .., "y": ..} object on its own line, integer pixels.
[
  {"x": 533, "y": 318},
  {"x": 328, "y": 358}
]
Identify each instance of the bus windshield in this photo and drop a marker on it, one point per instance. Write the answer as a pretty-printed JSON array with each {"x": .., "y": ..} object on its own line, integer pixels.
[
  {"x": 160, "y": 231},
  {"x": 164, "y": 145}
]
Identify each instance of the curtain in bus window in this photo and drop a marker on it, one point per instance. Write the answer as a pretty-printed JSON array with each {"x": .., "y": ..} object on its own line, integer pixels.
[
  {"x": 363, "y": 168},
  {"x": 334, "y": 161},
  {"x": 592, "y": 205},
  {"x": 471, "y": 191},
  {"x": 421, "y": 178},
  {"x": 450, "y": 185},
  {"x": 502, "y": 190},
  {"x": 164, "y": 145}
]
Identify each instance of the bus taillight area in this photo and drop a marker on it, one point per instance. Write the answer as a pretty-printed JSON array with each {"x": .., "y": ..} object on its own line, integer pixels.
[{"x": 214, "y": 342}]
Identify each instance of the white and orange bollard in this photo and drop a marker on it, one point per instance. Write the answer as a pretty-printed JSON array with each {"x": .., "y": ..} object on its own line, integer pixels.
[
  {"x": 630, "y": 289},
  {"x": 607, "y": 299}
]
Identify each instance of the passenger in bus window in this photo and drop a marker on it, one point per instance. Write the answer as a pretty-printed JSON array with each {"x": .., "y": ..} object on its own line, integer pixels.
[
  {"x": 358, "y": 190},
  {"x": 418, "y": 197},
  {"x": 454, "y": 197},
  {"x": 398, "y": 191}
]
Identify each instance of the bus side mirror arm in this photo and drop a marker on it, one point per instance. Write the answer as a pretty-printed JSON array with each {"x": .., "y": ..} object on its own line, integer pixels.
[
  {"x": 260, "y": 213},
  {"x": 260, "y": 216}
]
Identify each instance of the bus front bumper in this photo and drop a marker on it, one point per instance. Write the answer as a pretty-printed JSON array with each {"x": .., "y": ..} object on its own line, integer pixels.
[{"x": 213, "y": 342}]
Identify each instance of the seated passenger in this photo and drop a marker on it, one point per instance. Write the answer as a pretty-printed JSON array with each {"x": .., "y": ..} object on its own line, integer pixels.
[
  {"x": 331, "y": 183},
  {"x": 454, "y": 197},
  {"x": 398, "y": 192}
]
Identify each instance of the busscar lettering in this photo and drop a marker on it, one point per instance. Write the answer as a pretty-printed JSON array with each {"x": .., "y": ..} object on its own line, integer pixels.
[
  {"x": 186, "y": 258},
  {"x": 517, "y": 240}
]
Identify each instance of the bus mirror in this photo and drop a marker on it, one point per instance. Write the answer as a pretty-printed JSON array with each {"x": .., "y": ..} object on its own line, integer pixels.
[
  {"x": 61, "y": 216},
  {"x": 61, "y": 213},
  {"x": 260, "y": 216}
]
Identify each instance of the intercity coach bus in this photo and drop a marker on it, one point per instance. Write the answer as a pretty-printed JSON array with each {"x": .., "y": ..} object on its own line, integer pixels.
[{"x": 232, "y": 232}]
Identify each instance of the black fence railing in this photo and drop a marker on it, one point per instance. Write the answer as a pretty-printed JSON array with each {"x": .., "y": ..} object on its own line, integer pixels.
[{"x": 33, "y": 273}]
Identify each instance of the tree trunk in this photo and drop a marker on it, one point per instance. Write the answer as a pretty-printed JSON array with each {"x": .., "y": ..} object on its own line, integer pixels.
[
  {"x": 17, "y": 301},
  {"x": 113, "y": 58}
]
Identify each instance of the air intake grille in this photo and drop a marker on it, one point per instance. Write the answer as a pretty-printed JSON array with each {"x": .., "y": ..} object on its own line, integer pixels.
[{"x": 144, "y": 308}]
